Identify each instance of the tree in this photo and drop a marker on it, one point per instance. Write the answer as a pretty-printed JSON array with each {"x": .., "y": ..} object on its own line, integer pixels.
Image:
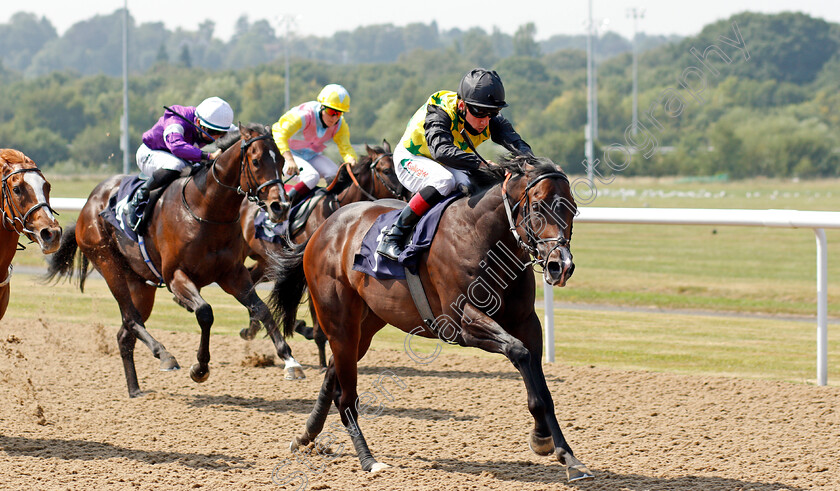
[
  {"x": 523, "y": 41},
  {"x": 184, "y": 58}
]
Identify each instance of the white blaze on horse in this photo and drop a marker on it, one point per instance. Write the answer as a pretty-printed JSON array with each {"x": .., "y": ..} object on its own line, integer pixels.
[{"x": 26, "y": 210}]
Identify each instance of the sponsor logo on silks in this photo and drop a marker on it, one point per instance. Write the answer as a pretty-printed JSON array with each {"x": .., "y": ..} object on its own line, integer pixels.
[{"x": 413, "y": 168}]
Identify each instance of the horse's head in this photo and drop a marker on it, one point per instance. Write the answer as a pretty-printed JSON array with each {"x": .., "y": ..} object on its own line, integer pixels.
[
  {"x": 543, "y": 211},
  {"x": 26, "y": 201},
  {"x": 385, "y": 182},
  {"x": 260, "y": 176}
]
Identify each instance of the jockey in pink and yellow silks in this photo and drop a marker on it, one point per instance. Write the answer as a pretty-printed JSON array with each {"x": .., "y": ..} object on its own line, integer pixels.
[{"x": 301, "y": 135}]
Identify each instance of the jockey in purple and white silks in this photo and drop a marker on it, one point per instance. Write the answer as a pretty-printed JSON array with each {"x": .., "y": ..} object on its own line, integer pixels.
[
  {"x": 174, "y": 142},
  {"x": 301, "y": 135},
  {"x": 434, "y": 155}
]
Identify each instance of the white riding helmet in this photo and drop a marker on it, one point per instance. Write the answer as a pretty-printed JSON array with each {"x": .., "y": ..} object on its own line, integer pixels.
[{"x": 216, "y": 114}]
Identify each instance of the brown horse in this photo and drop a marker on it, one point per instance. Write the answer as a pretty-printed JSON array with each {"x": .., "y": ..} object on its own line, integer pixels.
[
  {"x": 373, "y": 177},
  {"x": 193, "y": 240},
  {"x": 26, "y": 210},
  {"x": 479, "y": 281}
]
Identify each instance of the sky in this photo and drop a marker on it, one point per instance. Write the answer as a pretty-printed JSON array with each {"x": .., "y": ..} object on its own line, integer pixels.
[{"x": 325, "y": 17}]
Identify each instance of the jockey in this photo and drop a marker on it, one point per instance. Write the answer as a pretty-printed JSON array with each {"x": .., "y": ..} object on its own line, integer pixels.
[
  {"x": 173, "y": 143},
  {"x": 433, "y": 157},
  {"x": 302, "y": 132}
]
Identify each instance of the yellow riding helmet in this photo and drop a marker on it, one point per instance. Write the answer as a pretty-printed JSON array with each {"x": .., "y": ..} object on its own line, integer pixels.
[{"x": 336, "y": 97}]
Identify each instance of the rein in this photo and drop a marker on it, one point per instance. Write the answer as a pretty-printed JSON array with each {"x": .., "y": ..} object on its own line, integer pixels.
[
  {"x": 252, "y": 194},
  {"x": 15, "y": 216},
  {"x": 373, "y": 171},
  {"x": 533, "y": 241}
]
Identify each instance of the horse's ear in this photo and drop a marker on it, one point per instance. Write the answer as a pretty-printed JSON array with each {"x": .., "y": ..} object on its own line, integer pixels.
[
  {"x": 370, "y": 151},
  {"x": 386, "y": 146}
]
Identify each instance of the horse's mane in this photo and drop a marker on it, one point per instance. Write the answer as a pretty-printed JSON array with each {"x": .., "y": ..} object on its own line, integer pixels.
[
  {"x": 228, "y": 139},
  {"x": 13, "y": 156},
  {"x": 484, "y": 178}
]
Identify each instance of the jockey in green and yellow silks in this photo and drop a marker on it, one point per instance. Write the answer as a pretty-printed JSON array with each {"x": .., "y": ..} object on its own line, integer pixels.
[{"x": 434, "y": 155}]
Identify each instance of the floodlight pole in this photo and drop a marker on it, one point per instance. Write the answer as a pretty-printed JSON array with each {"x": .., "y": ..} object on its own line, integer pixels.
[
  {"x": 589, "y": 150},
  {"x": 124, "y": 125},
  {"x": 636, "y": 14}
]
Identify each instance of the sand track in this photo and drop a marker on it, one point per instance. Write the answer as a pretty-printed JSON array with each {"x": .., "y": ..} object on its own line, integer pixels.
[{"x": 460, "y": 422}]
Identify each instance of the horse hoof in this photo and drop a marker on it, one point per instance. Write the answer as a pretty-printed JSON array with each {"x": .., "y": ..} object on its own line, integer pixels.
[
  {"x": 541, "y": 445},
  {"x": 135, "y": 393},
  {"x": 169, "y": 364},
  {"x": 294, "y": 373},
  {"x": 578, "y": 472},
  {"x": 378, "y": 467},
  {"x": 197, "y": 375},
  {"x": 247, "y": 334}
]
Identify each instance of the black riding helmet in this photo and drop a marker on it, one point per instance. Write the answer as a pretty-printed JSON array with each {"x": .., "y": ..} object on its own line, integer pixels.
[{"x": 482, "y": 88}]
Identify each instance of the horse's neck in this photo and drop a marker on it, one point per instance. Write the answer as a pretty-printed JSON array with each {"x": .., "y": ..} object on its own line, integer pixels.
[
  {"x": 489, "y": 221},
  {"x": 8, "y": 248},
  {"x": 353, "y": 193},
  {"x": 217, "y": 198}
]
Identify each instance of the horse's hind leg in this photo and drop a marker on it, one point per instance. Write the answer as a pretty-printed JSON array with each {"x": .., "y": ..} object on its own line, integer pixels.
[
  {"x": 315, "y": 422},
  {"x": 135, "y": 300},
  {"x": 240, "y": 287},
  {"x": 320, "y": 339},
  {"x": 349, "y": 340}
]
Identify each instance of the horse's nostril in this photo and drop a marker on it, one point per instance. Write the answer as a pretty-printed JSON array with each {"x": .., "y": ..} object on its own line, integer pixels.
[
  {"x": 554, "y": 268},
  {"x": 278, "y": 208}
]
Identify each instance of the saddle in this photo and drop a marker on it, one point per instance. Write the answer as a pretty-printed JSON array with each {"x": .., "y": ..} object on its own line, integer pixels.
[
  {"x": 369, "y": 262},
  {"x": 273, "y": 232}
]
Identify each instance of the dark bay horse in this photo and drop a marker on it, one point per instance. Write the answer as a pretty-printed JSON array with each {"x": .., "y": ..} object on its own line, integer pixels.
[
  {"x": 193, "y": 240},
  {"x": 479, "y": 281},
  {"x": 25, "y": 196},
  {"x": 372, "y": 177}
]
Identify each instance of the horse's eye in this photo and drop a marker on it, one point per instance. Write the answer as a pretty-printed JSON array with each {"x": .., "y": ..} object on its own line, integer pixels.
[{"x": 16, "y": 190}]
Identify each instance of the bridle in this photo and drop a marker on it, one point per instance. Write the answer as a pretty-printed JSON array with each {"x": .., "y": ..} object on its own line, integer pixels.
[
  {"x": 15, "y": 216},
  {"x": 378, "y": 174},
  {"x": 532, "y": 241},
  {"x": 374, "y": 172},
  {"x": 254, "y": 189}
]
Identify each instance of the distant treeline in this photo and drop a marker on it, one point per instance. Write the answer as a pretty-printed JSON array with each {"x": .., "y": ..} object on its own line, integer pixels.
[
  {"x": 765, "y": 103},
  {"x": 32, "y": 47}
]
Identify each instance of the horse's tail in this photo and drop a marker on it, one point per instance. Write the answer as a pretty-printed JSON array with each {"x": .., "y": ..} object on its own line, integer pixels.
[
  {"x": 286, "y": 271},
  {"x": 60, "y": 263}
]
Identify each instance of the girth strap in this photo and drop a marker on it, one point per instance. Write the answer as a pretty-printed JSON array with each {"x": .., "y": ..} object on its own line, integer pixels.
[{"x": 418, "y": 294}]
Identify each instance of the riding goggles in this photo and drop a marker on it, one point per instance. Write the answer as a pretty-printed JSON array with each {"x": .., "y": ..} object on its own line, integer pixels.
[
  {"x": 483, "y": 112},
  {"x": 331, "y": 112}
]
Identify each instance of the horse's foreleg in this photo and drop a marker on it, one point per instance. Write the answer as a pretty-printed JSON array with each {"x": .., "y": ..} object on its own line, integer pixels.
[
  {"x": 188, "y": 296},
  {"x": 479, "y": 330},
  {"x": 240, "y": 287},
  {"x": 256, "y": 272}
]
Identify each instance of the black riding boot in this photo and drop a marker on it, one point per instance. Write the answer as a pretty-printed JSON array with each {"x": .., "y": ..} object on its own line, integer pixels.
[
  {"x": 160, "y": 178},
  {"x": 141, "y": 196},
  {"x": 394, "y": 242}
]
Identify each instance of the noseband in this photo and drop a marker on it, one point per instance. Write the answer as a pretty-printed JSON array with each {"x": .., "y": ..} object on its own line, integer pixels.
[
  {"x": 252, "y": 193},
  {"x": 15, "y": 215},
  {"x": 533, "y": 241},
  {"x": 378, "y": 175}
]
